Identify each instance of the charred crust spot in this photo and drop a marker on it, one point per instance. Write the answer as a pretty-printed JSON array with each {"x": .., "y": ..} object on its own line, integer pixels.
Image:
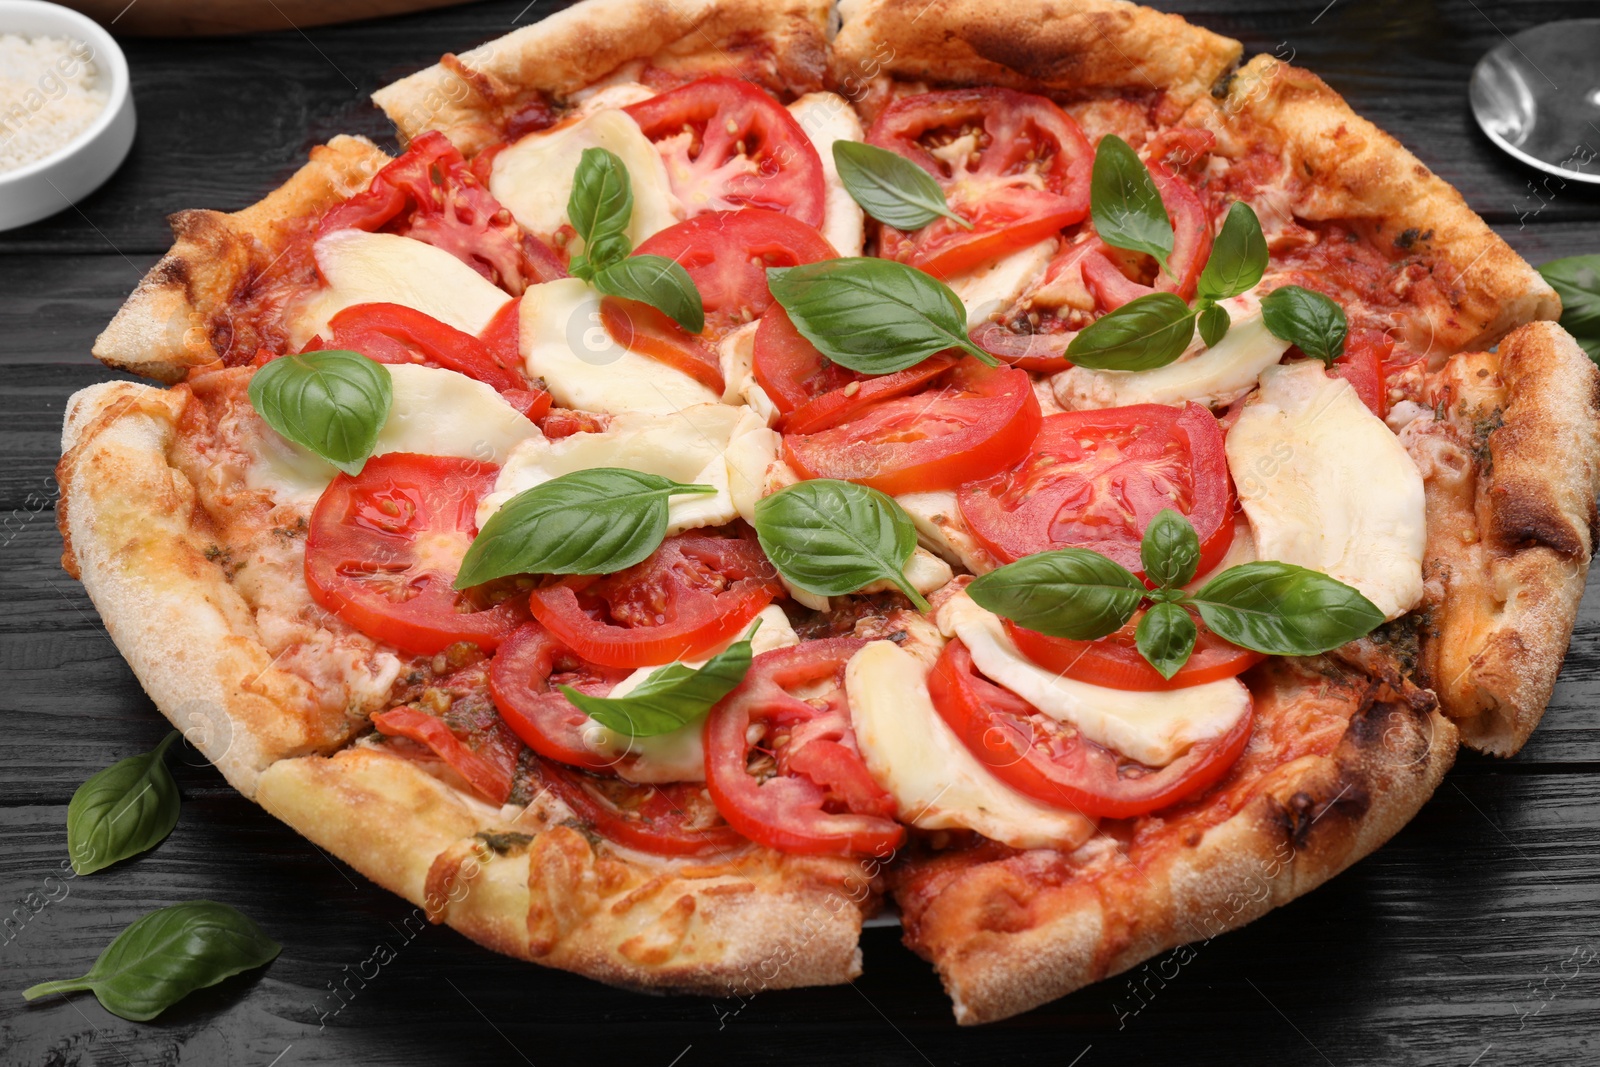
[
  {"x": 1521, "y": 522},
  {"x": 1304, "y": 811},
  {"x": 1411, "y": 236}
]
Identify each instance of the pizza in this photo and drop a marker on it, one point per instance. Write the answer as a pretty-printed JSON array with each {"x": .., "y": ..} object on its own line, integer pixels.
[{"x": 745, "y": 466}]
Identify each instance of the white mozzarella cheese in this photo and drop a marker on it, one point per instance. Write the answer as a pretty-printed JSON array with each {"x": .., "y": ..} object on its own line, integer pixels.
[
  {"x": 1209, "y": 376},
  {"x": 565, "y": 342},
  {"x": 1153, "y": 728},
  {"x": 1240, "y": 551},
  {"x": 435, "y": 413},
  {"x": 736, "y": 354},
  {"x": 755, "y": 471},
  {"x": 924, "y": 570},
  {"x": 620, "y": 93},
  {"x": 937, "y": 783},
  {"x": 993, "y": 288},
  {"x": 942, "y": 530},
  {"x": 826, "y": 118},
  {"x": 364, "y": 268},
  {"x": 1328, "y": 486},
  {"x": 533, "y": 178}
]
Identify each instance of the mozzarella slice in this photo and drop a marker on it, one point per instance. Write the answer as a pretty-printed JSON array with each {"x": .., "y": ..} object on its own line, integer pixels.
[
  {"x": 686, "y": 446},
  {"x": 736, "y": 353},
  {"x": 1326, "y": 485},
  {"x": 924, "y": 570},
  {"x": 995, "y": 287},
  {"x": 826, "y": 118},
  {"x": 935, "y": 780},
  {"x": 1209, "y": 376},
  {"x": 364, "y": 268},
  {"x": 942, "y": 530},
  {"x": 1153, "y": 728},
  {"x": 533, "y": 178},
  {"x": 565, "y": 342},
  {"x": 435, "y": 413}
]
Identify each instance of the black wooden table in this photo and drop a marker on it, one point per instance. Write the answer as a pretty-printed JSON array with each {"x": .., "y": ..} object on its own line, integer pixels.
[{"x": 1472, "y": 938}]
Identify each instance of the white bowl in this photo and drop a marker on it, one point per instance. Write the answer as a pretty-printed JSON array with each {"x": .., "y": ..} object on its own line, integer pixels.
[{"x": 59, "y": 180}]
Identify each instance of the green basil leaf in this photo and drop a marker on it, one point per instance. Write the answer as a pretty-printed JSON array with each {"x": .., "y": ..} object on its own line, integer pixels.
[
  {"x": 1238, "y": 256},
  {"x": 123, "y": 810},
  {"x": 890, "y": 187},
  {"x": 1143, "y": 334},
  {"x": 1214, "y": 323},
  {"x": 831, "y": 538},
  {"x": 595, "y": 521},
  {"x": 1284, "y": 610},
  {"x": 1170, "y": 550},
  {"x": 1125, "y": 203},
  {"x": 1066, "y": 592},
  {"x": 333, "y": 403},
  {"x": 1307, "y": 319},
  {"x": 166, "y": 955},
  {"x": 658, "y": 281},
  {"x": 600, "y": 208},
  {"x": 875, "y": 316},
  {"x": 1165, "y": 638},
  {"x": 1577, "y": 280},
  {"x": 671, "y": 697}
]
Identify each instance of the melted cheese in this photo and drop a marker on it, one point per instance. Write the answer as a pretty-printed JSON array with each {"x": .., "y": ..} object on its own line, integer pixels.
[
  {"x": 1153, "y": 728},
  {"x": 942, "y": 529},
  {"x": 565, "y": 342},
  {"x": 827, "y": 118},
  {"x": 937, "y": 783},
  {"x": 995, "y": 288},
  {"x": 1328, "y": 486},
  {"x": 924, "y": 570}
]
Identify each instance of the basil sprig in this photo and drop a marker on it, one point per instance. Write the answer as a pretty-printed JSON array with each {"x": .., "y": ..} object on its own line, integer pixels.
[
  {"x": 1237, "y": 261},
  {"x": 875, "y": 316},
  {"x": 123, "y": 810},
  {"x": 1125, "y": 203},
  {"x": 600, "y": 208},
  {"x": 1275, "y": 608},
  {"x": 334, "y": 403},
  {"x": 166, "y": 955},
  {"x": 1577, "y": 280},
  {"x": 1313, "y": 322},
  {"x": 1145, "y": 333},
  {"x": 595, "y": 521},
  {"x": 890, "y": 187},
  {"x": 669, "y": 698},
  {"x": 831, "y": 538}
]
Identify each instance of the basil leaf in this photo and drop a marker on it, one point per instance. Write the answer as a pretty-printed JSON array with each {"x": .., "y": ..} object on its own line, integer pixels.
[
  {"x": 1238, "y": 256},
  {"x": 1284, "y": 610},
  {"x": 166, "y": 955},
  {"x": 1125, "y": 203},
  {"x": 595, "y": 521},
  {"x": 1143, "y": 334},
  {"x": 831, "y": 538},
  {"x": 1170, "y": 550},
  {"x": 1307, "y": 319},
  {"x": 875, "y": 316},
  {"x": 671, "y": 697},
  {"x": 1165, "y": 638},
  {"x": 658, "y": 281},
  {"x": 123, "y": 810},
  {"x": 1066, "y": 592},
  {"x": 333, "y": 403},
  {"x": 599, "y": 208},
  {"x": 890, "y": 187},
  {"x": 1214, "y": 323},
  {"x": 1577, "y": 280}
]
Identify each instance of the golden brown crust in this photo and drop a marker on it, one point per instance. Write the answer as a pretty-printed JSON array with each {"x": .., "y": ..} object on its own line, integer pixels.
[{"x": 167, "y": 324}]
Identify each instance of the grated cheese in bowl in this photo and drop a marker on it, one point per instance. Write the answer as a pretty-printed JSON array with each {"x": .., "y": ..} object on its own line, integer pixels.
[{"x": 48, "y": 96}]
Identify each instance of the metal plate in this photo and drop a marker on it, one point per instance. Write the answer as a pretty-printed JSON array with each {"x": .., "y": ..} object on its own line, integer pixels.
[{"x": 1537, "y": 96}]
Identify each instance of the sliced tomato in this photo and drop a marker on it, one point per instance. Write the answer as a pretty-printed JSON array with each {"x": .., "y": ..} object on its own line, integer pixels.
[
  {"x": 394, "y": 333},
  {"x": 431, "y": 194},
  {"x": 523, "y": 677},
  {"x": 1191, "y": 246},
  {"x": 1013, "y": 165},
  {"x": 503, "y": 336},
  {"x": 1053, "y": 763},
  {"x": 786, "y": 772},
  {"x": 975, "y": 421},
  {"x": 1364, "y": 365},
  {"x": 385, "y": 545},
  {"x": 728, "y": 145},
  {"x": 1042, "y": 351},
  {"x": 640, "y": 328},
  {"x": 790, "y": 369},
  {"x": 694, "y": 594},
  {"x": 487, "y": 762},
  {"x": 727, "y": 254},
  {"x": 846, "y": 402},
  {"x": 671, "y": 820},
  {"x": 1095, "y": 479},
  {"x": 1114, "y": 660}
]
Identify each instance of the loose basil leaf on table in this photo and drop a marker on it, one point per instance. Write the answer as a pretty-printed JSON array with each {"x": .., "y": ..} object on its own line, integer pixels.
[
  {"x": 1065, "y": 592},
  {"x": 1165, "y": 638},
  {"x": 1125, "y": 203},
  {"x": 1284, "y": 610},
  {"x": 890, "y": 187},
  {"x": 1170, "y": 550},
  {"x": 1307, "y": 319},
  {"x": 658, "y": 281},
  {"x": 1143, "y": 334},
  {"x": 600, "y": 208},
  {"x": 669, "y": 698},
  {"x": 831, "y": 538},
  {"x": 334, "y": 403},
  {"x": 166, "y": 955},
  {"x": 595, "y": 521},
  {"x": 1238, "y": 256},
  {"x": 129, "y": 807},
  {"x": 871, "y": 315},
  {"x": 1577, "y": 280}
]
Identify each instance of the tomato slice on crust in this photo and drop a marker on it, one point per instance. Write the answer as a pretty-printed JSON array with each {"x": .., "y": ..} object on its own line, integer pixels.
[
  {"x": 1114, "y": 660},
  {"x": 486, "y": 758},
  {"x": 394, "y": 333},
  {"x": 1191, "y": 246},
  {"x": 523, "y": 677},
  {"x": 640, "y": 328},
  {"x": 848, "y": 401},
  {"x": 1364, "y": 365},
  {"x": 671, "y": 820}
]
